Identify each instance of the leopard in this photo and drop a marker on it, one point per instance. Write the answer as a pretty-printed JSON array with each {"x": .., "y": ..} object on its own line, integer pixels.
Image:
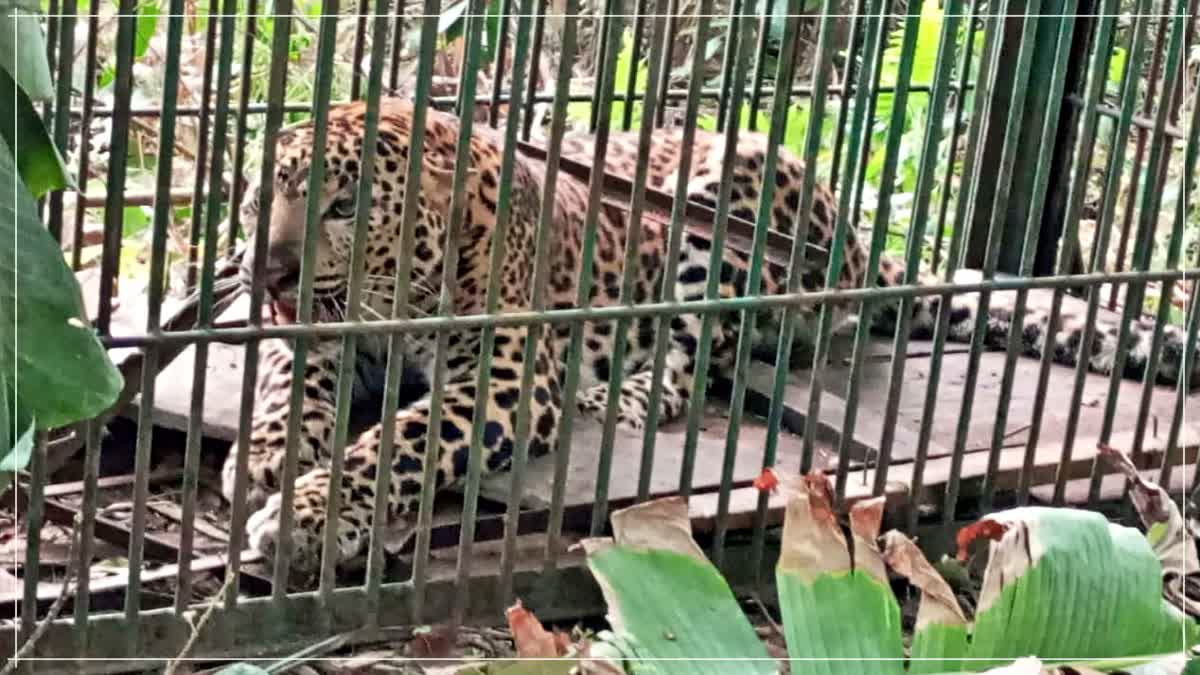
[{"x": 468, "y": 264}]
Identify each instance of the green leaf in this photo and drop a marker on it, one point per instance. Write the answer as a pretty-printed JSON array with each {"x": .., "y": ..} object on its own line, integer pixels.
[
  {"x": 39, "y": 164},
  {"x": 23, "y": 51},
  {"x": 663, "y": 592},
  {"x": 1038, "y": 598},
  {"x": 16, "y": 458},
  {"x": 835, "y": 606},
  {"x": 62, "y": 372},
  {"x": 147, "y": 24}
]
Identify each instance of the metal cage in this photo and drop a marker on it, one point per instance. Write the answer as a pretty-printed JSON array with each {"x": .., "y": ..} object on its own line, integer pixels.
[{"x": 1009, "y": 107}]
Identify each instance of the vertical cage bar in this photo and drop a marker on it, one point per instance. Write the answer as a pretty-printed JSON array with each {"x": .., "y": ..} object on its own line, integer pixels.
[
  {"x": 498, "y": 68},
  {"x": 1033, "y": 226},
  {"x": 760, "y": 63},
  {"x": 117, "y": 165},
  {"x": 851, "y": 75},
  {"x": 87, "y": 538},
  {"x": 462, "y": 160},
  {"x": 487, "y": 340},
  {"x": 783, "y": 350},
  {"x": 1008, "y": 158},
  {"x": 1187, "y": 182},
  {"x": 397, "y": 49},
  {"x": 64, "y": 64},
  {"x": 347, "y": 370},
  {"x": 601, "y": 60},
  {"x": 960, "y": 107},
  {"x": 539, "y": 37},
  {"x": 1160, "y": 148},
  {"x": 837, "y": 244},
  {"x": 281, "y": 32},
  {"x": 674, "y": 243},
  {"x": 957, "y": 243},
  {"x": 541, "y": 262},
  {"x": 785, "y": 69},
  {"x": 923, "y": 193},
  {"x": 879, "y": 231},
  {"x": 33, "y": 537},
  {"x": 732, "y": 49},
  {"x": 237, "y": 189},
  {"x": 562, "y": 457},
  {"x": 635, "y": 49},
  {"x": 633, "y": 242},
  {"x": 85, "y": 133},
  {"x": 360, "y": 38},
  {"x": 1081, "y": 166},
  {"x": 210, "y": 48},
  {"x": 696, "y": 402}
]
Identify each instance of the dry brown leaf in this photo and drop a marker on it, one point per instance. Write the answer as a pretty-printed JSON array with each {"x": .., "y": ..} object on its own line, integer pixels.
[
  {"x": 938, "y": 602},
  {"x": 530, "y": 638}
]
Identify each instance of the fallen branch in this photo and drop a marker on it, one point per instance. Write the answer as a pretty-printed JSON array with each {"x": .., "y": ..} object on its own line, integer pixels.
[{"x": 198, "y": 628}]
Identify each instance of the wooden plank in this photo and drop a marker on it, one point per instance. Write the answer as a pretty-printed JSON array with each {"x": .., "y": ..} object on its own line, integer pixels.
[{"x": 703, "y": 508}]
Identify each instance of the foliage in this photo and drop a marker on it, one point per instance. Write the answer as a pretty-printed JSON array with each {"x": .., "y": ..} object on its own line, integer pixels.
[
  {"x": 53, "y": 369},
  {"x": 665, "y": 599}
]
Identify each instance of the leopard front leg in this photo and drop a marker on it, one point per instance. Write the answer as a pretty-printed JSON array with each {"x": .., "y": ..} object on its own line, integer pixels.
[
  {"x": 361, "y": 466},
  {"x": 268, "y": 433}
]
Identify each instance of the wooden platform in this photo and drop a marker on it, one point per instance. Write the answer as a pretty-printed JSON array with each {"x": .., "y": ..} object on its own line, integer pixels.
[{"x": 224, "y": 382}]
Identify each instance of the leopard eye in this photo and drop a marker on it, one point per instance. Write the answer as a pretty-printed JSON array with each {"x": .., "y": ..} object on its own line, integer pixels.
[{"x": 343, "y": 208}]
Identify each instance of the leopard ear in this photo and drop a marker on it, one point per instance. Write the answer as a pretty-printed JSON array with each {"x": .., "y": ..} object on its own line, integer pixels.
[{"x": 441, "y": 181}]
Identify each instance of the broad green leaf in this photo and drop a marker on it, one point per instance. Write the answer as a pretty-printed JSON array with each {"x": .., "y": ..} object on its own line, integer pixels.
[
  {"x": 835, "y": 607},
  {"x": 663, "y": 592},
  {"x": 62, "y": 372},
  {"x": 16, "y": 458},
  {"x": 23, "y": 50},
  {"x": 1040, "y": 596},
  {"x": 147, "y": 24},
  {"x": 40, "y": 166}
]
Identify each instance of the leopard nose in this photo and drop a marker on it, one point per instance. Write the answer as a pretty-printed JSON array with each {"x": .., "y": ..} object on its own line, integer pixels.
[{"x": 282, "y": 273}]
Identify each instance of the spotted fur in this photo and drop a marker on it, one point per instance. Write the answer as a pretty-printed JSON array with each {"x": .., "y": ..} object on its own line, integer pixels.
[{"x": 471, "y": 275}]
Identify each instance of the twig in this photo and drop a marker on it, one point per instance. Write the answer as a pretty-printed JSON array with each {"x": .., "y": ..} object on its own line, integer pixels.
[
  {"x": 766, "y": 614},
  {"x": 216, "y": 600},
  {"x": 55, "y": 609}
]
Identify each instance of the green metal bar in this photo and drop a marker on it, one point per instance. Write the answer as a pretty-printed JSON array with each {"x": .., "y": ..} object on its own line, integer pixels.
[
  {"x": 1186, "y": 185},
  {"x": 1148, "y": 218},
  {"x": 545, "y": 220},
  {"x": 566, "y": 422},
  {"x": 85, "y": 122},
  {"x": 1070, "y": 239},
  {"x": 664, "y": 78},
  {"x": 729, "y": 79},
  {"x": 346, "y": 373},
  {"x": 633, "y": 242},
  {"x": 837, "y": 252},
  {"x": 760, "y": 62},
  {"x": 674, "y": 243},
  {"x": 695, "y": 404},
  {"x": 487, "y": 341},
  {"x": 250, "y": 38},
  {"x": 539, "y": 36},
  {"x": 943, "y": 70},
  {"x": 65, "y": 26},
  {"x": 601, "y": 59},
  {"x": 117, "y": 170},
  {"x": 960, "y": 106},
  {"x": 1033, "y": 226},
  {"x": 276, "y": 89},
  {"x": 204, "y": 319},
  {"x": 433, "y": 438},
  {"x": 498, "y": 66},
  {"x": 210, "y": 50},
  {"x": 87, "y": 538},
  {"x": 326, "y": 47},
  {"x": 34, "y": 517},
  {"x": 879, "y": 231},
  {"x": 360, "y": 36},
  {"x": 958, "y": 238},
  {"x": 881, "y": 42},
  {"x": 156, "y": 286},
  {"x": 785, "y": 70},
  {"x": 1116, "y": 161},
  {"x": 639, "y": 18},
  {"x": 312, "y": 222},
  {"x": 783, "y": 350},
  {"x": 1008, "y": 158},
  {"x": 851, "y": 75},
  {"x": 562, "y": 458}
]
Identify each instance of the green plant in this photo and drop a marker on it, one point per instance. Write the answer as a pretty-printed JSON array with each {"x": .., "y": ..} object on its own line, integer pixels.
[{"x": 53, "y": 369}]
